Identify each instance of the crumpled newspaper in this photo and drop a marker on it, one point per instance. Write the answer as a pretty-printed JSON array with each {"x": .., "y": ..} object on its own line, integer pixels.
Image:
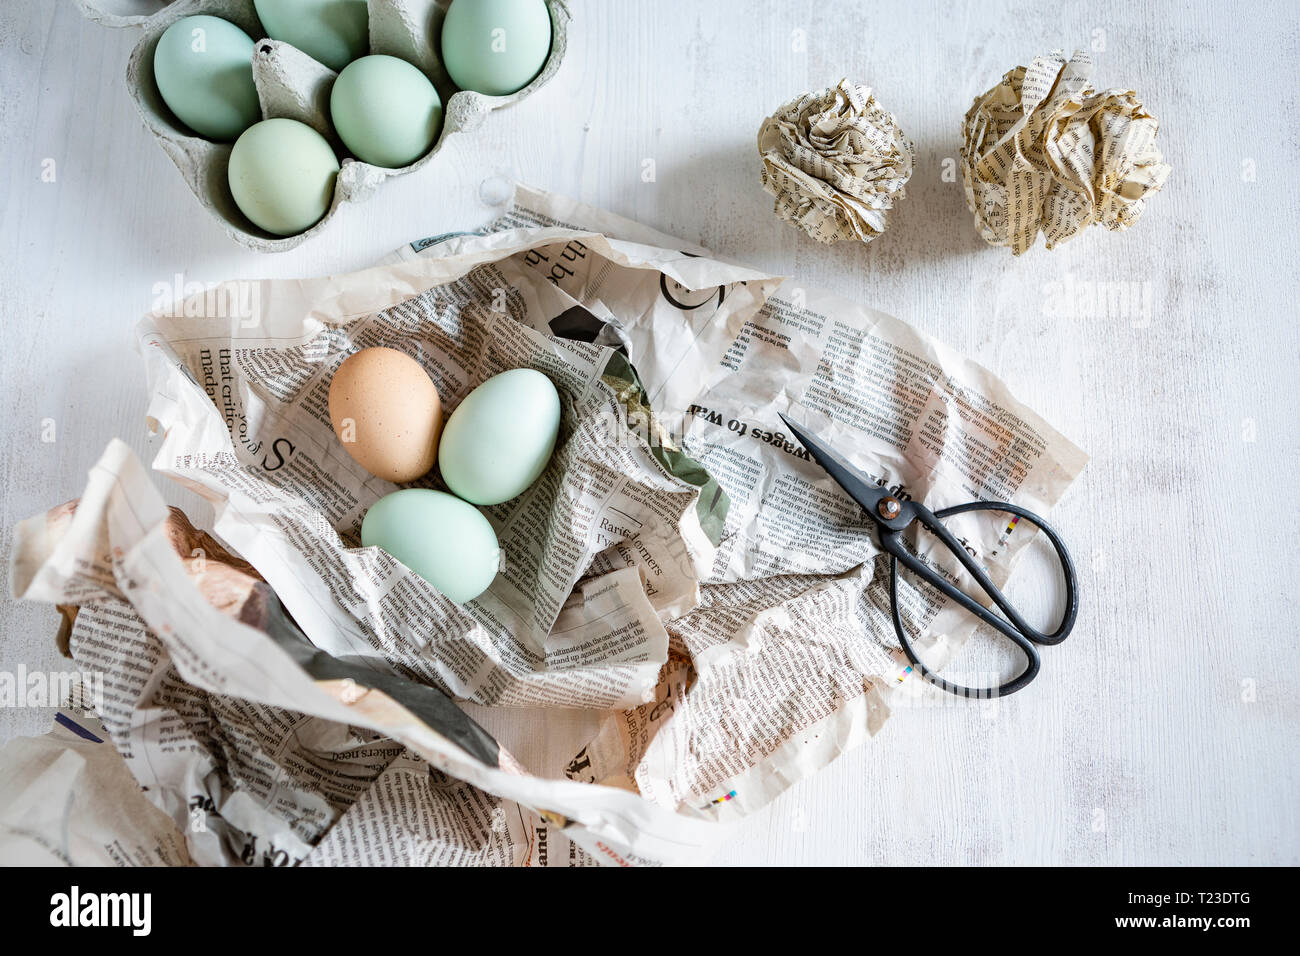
[
  {"x": 836, "y": 161},
  {"x": 299, "y": 714},
  {"x": 1043, "y": 150}
]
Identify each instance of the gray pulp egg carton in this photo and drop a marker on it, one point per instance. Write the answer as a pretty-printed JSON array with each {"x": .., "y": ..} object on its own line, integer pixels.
[{"x": 291, "y": 84}]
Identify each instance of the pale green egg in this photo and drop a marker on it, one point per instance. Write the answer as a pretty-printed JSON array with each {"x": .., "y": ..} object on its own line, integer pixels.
[
  {"x": 500, "y": 437},
  {"x": 495, "y": 46},
  {"x": 439, "y": 537},
  {"x": 282, "y": 175},
  {"x": 204, "y": 70},
  {"x": 333, "y": 32},
  {"x": 385, "y": 110}
]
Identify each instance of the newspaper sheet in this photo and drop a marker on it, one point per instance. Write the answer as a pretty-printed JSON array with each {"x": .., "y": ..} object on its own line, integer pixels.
[
  {"x": 68, "y": 798},
  {"x": 690, "y": 609}
]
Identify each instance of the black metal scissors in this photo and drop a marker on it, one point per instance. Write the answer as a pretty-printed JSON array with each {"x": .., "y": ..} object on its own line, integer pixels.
[{"x": 893, "y": 516}]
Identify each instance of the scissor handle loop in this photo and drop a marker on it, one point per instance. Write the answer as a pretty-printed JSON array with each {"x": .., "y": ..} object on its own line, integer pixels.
[{"x": 1013, "y": 625}]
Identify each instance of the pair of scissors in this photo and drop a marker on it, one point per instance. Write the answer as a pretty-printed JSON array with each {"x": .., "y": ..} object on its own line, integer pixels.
[{"x": 893, "y": 516}]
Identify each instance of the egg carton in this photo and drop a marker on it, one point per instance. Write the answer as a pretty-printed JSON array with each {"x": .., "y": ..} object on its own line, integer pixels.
[
  {"x": 121, "y": 13},
  {"x": 291, "y": 84}
]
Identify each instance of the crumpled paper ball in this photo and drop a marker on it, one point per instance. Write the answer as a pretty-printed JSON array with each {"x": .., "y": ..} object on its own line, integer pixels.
[
  {"x": 1044, "y": 151},
  {"x": 836, "y": 161}
]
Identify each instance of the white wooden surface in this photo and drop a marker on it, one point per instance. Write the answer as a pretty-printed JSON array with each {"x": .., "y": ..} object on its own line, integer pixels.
[{"x": 1165, "y": 730}]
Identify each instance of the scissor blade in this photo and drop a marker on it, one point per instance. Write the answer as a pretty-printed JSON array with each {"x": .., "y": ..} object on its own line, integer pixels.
[{"x": 857, "y": 485}]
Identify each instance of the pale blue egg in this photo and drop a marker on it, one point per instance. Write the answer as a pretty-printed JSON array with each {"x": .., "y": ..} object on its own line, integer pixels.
[
  {"x": 282, "y": 175},
  {"x": 204, "y": 70},
  {"x": 333, "y": 32},
  {"x": 500, "y": 437},
  {"x": 385, "y": 110},
  {"x": 495, "y": 46},
  {"x": 441, "y": 538}
]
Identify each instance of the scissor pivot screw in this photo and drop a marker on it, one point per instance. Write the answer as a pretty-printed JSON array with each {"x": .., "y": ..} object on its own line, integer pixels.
[{"x": 889, "y": 508}]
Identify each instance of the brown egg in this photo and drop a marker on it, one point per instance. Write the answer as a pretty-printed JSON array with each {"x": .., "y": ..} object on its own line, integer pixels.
[{"x": 387, "y": 413}]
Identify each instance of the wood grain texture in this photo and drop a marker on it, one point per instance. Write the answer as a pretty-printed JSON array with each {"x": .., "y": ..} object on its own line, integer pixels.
[{"x": 1166, "y": 730}]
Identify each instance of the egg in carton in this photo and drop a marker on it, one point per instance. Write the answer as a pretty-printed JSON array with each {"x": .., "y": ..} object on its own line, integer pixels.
[{"x": 292, "y": 85}]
